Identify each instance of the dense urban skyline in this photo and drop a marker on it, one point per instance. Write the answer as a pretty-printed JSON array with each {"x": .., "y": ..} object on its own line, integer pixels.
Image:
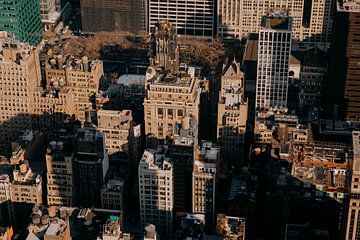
[{"x": 179, "y": 119}]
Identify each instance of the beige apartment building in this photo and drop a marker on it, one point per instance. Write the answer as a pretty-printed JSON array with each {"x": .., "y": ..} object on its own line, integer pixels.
[
  {"x": 312, "y": 20},
  {"x": 116, "y": 126},
  {"x": 232, "y": 114},
  {"x": 19, "y": 72},
  {"x": 60, "y": 178},
  {"x": 82, "y": 76},
  {"x": 26, "y": 186},
  {"x": 169, "y": 98}
]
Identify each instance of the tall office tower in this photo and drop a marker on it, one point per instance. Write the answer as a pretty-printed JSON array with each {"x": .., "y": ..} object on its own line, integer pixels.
[
  {"x": 353, "y": 216},
  {"x": 82, "y": 76},
  {"x": 23, "y": 19},
  {"x": 60, "y": 178},
  {"x": 349, "y": 12},
  {"x": 19, "y": 73},
  {"x": 119, "y": 15},
  {"x": 156, "y": 191},
  {"x": 116, "y": 126},
  {"x": 164, "y": 50},
  {"x": 91, "y": 164},
  {"x": 169, "y": 98},
  {"x": 273, "y": 61},
  {"x": 312, "y": 20},
  {"x": 182, "y": 160},
  {"x": 232, "y": 114},
  {"x": 206, "y": 159},
  {"x": 27, "y": 185},
  {"x": 49, "y": 14},
  {"x": 189, "y": 17}
]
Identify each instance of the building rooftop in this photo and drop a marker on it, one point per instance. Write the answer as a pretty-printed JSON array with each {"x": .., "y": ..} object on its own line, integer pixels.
[
  {"x": 155, "y": 160},
  {"x": 277, "y": 21},
  {"x": 113, "y": 186},
  {"x": 13, "y": 51},
  {"x": 72, "y": 63},
  {"x": 348, "y": 5}
]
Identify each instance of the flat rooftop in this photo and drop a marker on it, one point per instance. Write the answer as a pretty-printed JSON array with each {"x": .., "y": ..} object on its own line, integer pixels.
[{"x": 276, "y": 21}]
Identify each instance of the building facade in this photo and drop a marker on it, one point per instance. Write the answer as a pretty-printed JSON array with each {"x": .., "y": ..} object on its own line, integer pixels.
[
  {"x": 60, "y": 178},
  {"x": 116, "y": 126},
  {"x": 23, "y": 19},
  {"x": 19, "y": 72},
  {"x": 312, "y": 20},
  {"x": 49, "y": 14},
  {"x": 82, "y": 76},
  {"x": 156, "y": 192},
  {"x": 189, "y": 17},
  {"x": 273, "y": 61},
  {"x": 232, "y": 114},
  {"x": 91, "y": 164},
  {"x": 206, "y": 160},
  {"x": 353, "y": 215}
]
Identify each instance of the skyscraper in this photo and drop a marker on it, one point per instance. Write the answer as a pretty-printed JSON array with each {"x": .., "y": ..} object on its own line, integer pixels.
[
  {"x": 156, "y": 191},
  {"x": 19, "y": 73},
  {"x": 23, "y": 19},
  {"x": 273, "y": 61},
  {"x": 312, "y": 20},
  {"x": 206, "y": 159},
  {"x": 232, "y": 114},
  {"x": 189, "y": 17}
]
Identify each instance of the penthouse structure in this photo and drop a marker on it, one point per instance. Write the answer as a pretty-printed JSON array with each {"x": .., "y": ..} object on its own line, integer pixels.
[
  {"x": 189, "y": 17},
  {"x": 19, "y": 73},
  {"x": 353, "y": 214},
  {"x": 91, "y": 164},
  {"x": 156, "y": 191},
  {"x": 232, "y": 114},
  {"x": 116, "y": 126},
  {"x": 27, "y": 185},
  {"x": 273, "y": 61},
  {"x": 81, "y": 76},
  {"x": 312, "y": 20},
  {"x": 60, "y": 177},
  {"x": 206, "y": 159}
]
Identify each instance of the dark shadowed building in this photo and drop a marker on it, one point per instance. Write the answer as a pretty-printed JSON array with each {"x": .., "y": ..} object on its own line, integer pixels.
[{"x": 112, "y": 15}]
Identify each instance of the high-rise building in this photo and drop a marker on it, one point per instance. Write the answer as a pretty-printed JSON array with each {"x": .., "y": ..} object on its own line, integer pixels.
[
  {"x": 353, "y": 215},
  {"x": 19, "y": 73},
  {"x": 91, "y": 164},
  {"x": 312, "y": 20},
  {"x": 23, "y": 19},
  {"x": 273, "y": 61},
  {"x": 99, "y": 15},
  {"x": 350, "y": 10},
  {"x": 182, "y": 151},
  {"x": 116, "y": 126},
  {"x": 232, "y": 114},
  {"x": 189, "y": 17},
  {"x": 156, "y": 191},
  {"x": 206, "y": 160},
  {"x": 81, "y": 76},
  {"x": 60, "y": 178}
]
